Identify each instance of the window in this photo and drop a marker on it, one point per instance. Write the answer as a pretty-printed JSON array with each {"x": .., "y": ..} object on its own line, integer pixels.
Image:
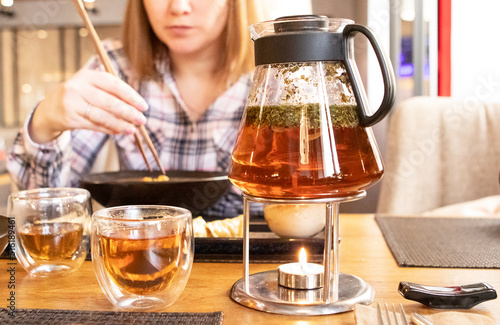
[{"x": 36, "y": 61}]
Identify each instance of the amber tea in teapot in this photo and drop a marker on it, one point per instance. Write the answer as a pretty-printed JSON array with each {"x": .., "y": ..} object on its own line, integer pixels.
[{"x": 279, "y": 167}]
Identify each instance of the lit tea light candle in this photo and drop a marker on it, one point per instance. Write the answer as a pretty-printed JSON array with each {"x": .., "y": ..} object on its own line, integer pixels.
[{"x": 301, "y": 275}]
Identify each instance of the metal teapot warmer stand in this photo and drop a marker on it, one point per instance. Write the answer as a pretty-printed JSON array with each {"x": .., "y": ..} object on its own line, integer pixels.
[{"x": 340, "y": 291}]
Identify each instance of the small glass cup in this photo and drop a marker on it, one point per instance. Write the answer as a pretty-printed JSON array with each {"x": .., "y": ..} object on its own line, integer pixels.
[
  {"x": 142, "y": 255},
  {"x": 52, "y": 229}
]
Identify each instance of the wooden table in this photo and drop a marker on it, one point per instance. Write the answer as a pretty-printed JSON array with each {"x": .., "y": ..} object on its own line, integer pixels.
[{"x": 363, "y": 252}]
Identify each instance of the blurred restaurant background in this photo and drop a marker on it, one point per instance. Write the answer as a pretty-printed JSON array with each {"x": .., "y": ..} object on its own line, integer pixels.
[{"x": 437, "y": 47}]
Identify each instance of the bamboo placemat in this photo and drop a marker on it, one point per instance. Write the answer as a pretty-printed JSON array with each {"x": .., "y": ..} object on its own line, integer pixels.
[
  {"x": 87, "y": 317},
  {"x": 442, "y": 242}
]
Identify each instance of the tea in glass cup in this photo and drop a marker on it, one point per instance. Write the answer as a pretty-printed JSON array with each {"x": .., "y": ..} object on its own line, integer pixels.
[
  {"x": 52, "y": 229},
  {"x": 142, "y": 255}
]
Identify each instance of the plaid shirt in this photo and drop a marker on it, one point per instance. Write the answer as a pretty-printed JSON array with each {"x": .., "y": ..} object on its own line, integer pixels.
[{"x": 182, "y": 144}]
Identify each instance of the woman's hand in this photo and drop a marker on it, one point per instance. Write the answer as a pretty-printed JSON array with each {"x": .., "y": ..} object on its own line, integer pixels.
[{"x": 92, "y": 100}]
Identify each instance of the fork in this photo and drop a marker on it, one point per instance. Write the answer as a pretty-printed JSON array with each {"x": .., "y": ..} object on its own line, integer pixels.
[{"x": 389, "y": 320}]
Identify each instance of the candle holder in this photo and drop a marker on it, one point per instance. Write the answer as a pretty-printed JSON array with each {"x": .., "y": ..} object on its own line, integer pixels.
[
  {"x": 299, "y": 292},
  {"x": 301, "y": 275}
]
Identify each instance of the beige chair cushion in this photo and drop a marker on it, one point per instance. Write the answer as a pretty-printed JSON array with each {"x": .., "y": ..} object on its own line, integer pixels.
[
  {"x": 484, "y": 207},
  {"x": 440, "y": 152}
]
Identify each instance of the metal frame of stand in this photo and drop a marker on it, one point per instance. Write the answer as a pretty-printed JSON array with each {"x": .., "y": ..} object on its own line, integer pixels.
[{"x": 340, "y": 291}]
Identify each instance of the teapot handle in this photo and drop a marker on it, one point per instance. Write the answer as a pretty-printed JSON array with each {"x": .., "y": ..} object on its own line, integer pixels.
[{"x": 387, "y": 75}]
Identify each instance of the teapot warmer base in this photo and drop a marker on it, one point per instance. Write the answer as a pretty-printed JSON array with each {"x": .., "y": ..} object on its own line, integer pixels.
[
  {"x": 265, "y": 294},
  {"x": 340, "y": 292}
]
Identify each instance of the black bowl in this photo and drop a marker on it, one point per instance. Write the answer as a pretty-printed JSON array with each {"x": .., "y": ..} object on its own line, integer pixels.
[{"x": 193, "y": 190}]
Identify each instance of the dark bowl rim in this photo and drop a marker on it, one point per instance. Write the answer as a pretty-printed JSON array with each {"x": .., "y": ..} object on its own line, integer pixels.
[{"x": 100, "y": 178}]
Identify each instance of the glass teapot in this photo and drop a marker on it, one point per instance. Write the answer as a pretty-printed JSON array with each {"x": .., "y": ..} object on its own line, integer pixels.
[{"x": 305, "y": 129}]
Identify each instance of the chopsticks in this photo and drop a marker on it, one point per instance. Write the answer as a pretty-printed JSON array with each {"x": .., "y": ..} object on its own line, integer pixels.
[{"x": 107, "y": 66}]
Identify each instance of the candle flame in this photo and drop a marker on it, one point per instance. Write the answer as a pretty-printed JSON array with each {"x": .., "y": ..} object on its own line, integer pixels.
[{"x": 302, "y": 257}]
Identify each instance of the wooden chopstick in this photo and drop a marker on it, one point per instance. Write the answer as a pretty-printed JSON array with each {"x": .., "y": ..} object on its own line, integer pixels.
[{"x": 109, "y": 68}]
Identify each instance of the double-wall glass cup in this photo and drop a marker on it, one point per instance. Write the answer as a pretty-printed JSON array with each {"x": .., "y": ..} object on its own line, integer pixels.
[
  {"x": 52, "y": 229},
  {"x": 142, "y": 254}
]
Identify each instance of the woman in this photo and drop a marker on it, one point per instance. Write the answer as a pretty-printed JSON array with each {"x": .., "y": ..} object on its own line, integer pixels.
[{"x": 185, "y": 70}]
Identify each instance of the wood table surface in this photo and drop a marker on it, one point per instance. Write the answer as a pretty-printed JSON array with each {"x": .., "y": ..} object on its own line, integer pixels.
[{"x": 363, "y": 252}]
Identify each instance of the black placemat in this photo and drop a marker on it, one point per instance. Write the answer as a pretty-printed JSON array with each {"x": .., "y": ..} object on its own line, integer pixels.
[
  {"x": 265, "y": 247},
  {"x": 87, "y": 317},
  {"x": 442, "y": 242}
]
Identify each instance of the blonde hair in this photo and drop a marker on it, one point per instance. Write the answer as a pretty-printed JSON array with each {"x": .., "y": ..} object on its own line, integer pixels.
[{"x": 143, "y": 48}]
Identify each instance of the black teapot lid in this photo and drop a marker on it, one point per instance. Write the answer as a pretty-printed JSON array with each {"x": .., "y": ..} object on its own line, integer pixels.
[{"x": 299, "y": 39}]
